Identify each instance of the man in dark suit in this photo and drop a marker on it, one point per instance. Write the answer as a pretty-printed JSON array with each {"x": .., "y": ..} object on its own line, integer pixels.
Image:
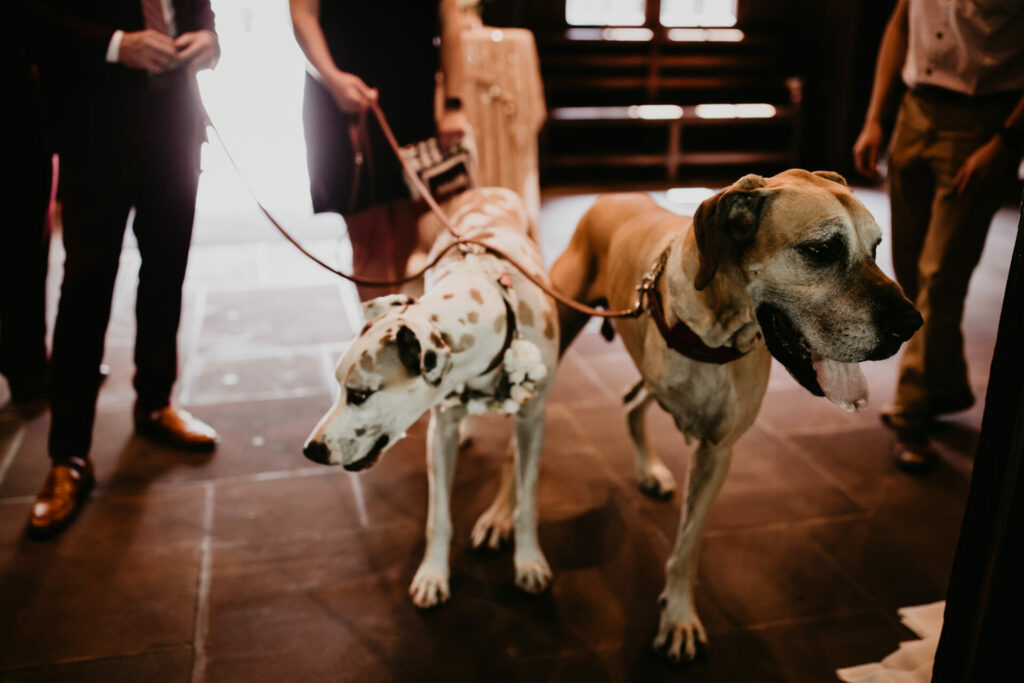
[
  {"x": 119, "y": 79},
  {"x": 24, "y": 233}
]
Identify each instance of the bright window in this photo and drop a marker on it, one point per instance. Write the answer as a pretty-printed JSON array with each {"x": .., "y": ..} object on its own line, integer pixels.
[
  {"x": 698, "y": 12},
  {"x": 605, "y": 12},
  {"x": 681, "y": 13}
]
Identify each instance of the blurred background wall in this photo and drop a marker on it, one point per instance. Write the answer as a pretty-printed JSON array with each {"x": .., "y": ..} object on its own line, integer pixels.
[{"x": 831, "y": 46}]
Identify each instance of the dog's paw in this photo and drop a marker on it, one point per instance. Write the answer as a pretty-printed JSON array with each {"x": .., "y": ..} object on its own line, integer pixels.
[
  {"x": 492, "y": 529},
  {"x": 429, "y": 588},
  {"x": 680, "y": 633},
  {"x": 656, "y": 481},
  {"x": 533, "y": 575}
]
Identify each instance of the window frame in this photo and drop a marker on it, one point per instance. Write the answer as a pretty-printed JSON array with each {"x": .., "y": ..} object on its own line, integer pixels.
[{"x": 652, "y": 19}]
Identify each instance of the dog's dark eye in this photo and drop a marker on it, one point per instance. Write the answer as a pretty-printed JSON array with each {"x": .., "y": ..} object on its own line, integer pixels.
[
  {"x": 823, "y": 253},
  {"x": 355, "y": 397}
]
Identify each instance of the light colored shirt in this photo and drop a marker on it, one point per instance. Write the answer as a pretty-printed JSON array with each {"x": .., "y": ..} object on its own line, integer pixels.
[
  {"x": 114, "y": 47},
  {"x": 974, "y": 47}
]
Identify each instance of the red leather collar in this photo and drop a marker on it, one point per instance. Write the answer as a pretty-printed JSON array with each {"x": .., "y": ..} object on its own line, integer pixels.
[{"x": 680, "y": 338}]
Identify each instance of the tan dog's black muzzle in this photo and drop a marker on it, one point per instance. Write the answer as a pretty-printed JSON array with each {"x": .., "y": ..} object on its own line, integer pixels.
[
  {"x": 895, "y": 329},
  {"x": 896, "y": 320}
]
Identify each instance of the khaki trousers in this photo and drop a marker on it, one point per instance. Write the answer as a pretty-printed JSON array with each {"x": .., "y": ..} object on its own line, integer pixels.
[{"x": 937, "y": 240}]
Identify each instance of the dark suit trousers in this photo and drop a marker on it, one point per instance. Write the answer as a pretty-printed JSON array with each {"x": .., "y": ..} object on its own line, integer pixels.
[
  {"x": 153, "y": 168},
  {"x": 24, "y": 236}
]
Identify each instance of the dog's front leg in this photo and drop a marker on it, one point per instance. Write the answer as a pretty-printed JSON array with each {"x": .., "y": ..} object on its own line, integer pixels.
[
  {"x": 430, "y": 585},
  {"x": 680, "y": 629},
  {"x": 532, "y": 571},
  {"x": 494, "y": 526}
]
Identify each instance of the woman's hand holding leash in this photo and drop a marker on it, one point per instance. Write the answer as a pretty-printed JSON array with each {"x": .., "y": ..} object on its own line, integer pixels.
[{"x": 350, "y": 92}]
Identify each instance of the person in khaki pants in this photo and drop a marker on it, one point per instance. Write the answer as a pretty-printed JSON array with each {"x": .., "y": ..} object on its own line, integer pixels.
[{"x": 959, "y": 135}]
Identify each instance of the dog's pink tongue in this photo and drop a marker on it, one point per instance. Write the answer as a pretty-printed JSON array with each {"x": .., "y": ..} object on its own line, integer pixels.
[{"x": 843, "y": 383}]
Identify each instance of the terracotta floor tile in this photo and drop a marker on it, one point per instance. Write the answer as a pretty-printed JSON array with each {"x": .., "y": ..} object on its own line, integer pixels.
[
  {"x": 757, "y": 578},
  {"x": 168, "y": 664},
  {"x": 900, "y": 556},
  {"x": 296, "y": 571},
  {"x": 123, "y": 582},
  {"x": 800, "y": 652},
  {"x": 234, "y": 380},
  {"x": 859, "y": 461},
  {"x": 272, "y": 320}
]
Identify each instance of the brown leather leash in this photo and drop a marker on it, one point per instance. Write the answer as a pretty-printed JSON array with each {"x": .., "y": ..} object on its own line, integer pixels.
[
  {"x": 680, "y": 337},
  {"x": 459, "y": 241}
]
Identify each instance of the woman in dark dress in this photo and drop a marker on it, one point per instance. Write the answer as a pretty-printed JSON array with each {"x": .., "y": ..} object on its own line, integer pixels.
[{"x": 359, "y": 51}]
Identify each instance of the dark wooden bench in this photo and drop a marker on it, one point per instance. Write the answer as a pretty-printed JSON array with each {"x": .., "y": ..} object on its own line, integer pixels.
[{"x": 646, "y": 103}]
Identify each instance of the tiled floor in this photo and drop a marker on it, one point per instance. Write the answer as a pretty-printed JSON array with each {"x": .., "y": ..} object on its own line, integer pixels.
[{"x": 255, "y": 565}]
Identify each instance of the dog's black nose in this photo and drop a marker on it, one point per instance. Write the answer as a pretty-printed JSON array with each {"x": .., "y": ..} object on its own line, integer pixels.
[
  {"x": 317, "y": 451},
  {"x": 896, "y": 323},
  {"x": 904, "y": 324}
]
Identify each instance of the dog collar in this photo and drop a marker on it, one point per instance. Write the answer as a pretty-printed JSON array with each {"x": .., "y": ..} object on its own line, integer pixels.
[
  {"x": 680, "y": 338},
  {"x": 510, "y": 327}
]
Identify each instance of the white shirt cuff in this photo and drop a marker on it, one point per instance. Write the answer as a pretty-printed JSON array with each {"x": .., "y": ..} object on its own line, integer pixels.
[{"x": 114, "y": 49}]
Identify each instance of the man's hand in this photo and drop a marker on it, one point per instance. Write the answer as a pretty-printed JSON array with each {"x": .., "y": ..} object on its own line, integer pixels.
[
  {"x": 148, "y": 49},
  {"x": 866, "y": 148},
  {"x": 452, "y": 127},
  {"x": 197, "y": 50},
  {"x": 350, "y": 93},
  {"x": 979, "y": 168}
]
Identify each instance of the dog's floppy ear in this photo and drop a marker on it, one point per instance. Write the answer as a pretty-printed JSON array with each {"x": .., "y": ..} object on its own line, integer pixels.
[
  {"x": 375, "y": 308},
  {"x": 432, "y": 358},
  {"x": 727, "y": 220},
  {"x": 829, "y": 175}
]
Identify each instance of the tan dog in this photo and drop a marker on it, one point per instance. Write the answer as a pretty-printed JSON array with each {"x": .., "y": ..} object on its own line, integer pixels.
[{"x": 787, "y": 260}]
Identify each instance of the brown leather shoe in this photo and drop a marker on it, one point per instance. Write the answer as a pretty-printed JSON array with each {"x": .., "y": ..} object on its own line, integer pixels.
[
  {"x": 914, "y": 457},
  {"x": 177, "y": 427},
  {"x": 937, "y": 406},
  {"x": 61, "y": 499}
]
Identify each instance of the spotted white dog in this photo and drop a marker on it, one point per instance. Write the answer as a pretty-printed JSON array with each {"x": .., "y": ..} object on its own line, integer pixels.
[{"x": 482, "y": 338}]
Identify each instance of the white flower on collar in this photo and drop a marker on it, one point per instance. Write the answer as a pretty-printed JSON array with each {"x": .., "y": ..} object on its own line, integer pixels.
[
  {"x": 523, "y": 362},
  {"x": 520, "y": 393},
  {"x": 522, "y": 367}
]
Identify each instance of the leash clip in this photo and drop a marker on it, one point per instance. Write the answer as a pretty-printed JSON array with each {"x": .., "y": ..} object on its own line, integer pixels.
[
  {"x": 647, "y": 285},
  {"x": 643, "y": 294}
]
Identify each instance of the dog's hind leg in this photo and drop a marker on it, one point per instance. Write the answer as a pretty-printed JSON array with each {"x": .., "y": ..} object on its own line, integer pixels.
[
  {"x": 430, "y": 584},
  {"x": 680, "y": 629},
  {"x": 571, "y": 276},
  {"x": 652, "y": 475},
  {"x": 494, "y": 526},
  {"x": 532, "y": 571}
]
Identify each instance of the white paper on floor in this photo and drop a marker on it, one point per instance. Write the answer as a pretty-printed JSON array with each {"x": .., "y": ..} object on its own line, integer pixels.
[{"x": 913, "y": 662}]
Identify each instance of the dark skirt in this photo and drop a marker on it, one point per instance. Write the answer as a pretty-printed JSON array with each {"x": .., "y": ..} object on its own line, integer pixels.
[{"x": 333, "y": 172}]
